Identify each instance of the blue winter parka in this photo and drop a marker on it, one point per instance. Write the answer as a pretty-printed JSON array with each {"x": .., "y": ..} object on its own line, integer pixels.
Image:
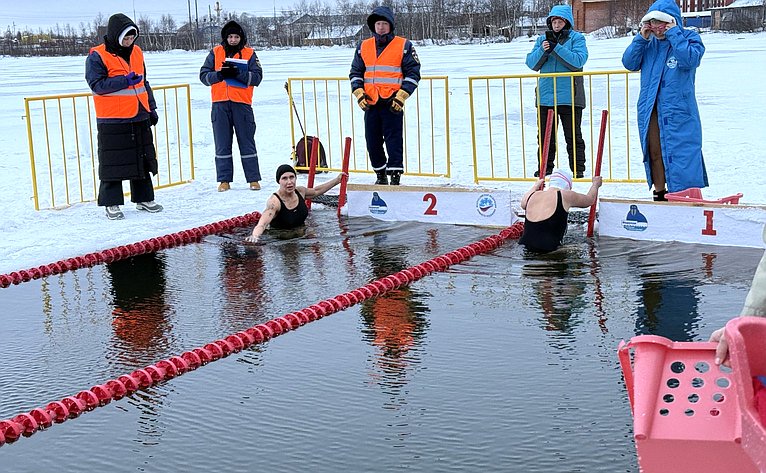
[
  {"x": 569, "y": 55},
  {"x": 668, "y": 70}
]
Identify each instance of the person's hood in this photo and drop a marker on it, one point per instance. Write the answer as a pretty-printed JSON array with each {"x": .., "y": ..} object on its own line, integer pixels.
[
  {"x": 118, "y": 25},
  {"x": 667, "y": 7},
  {"x": 378, "y": 14},
  {"x": 233, "y": 27},
  {"x": 561, "y": 11}
]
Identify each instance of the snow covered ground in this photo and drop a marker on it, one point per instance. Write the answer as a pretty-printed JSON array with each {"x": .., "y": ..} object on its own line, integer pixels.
[{"x": 730, "y": 95}]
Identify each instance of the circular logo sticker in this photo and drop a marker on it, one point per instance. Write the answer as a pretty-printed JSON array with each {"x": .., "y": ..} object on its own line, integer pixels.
[{"x": 486, "y": 205}]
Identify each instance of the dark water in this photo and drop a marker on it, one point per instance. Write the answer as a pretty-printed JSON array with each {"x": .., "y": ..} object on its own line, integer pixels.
[{"x": 504, "y": 363}]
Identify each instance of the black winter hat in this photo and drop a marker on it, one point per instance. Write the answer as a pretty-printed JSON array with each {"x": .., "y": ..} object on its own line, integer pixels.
[
  {"x": 380, "y": 14},
  {"x": 232, "y": 27},
  {"x": 283, "y": 169},
  {"x": 117, "y": 24}
]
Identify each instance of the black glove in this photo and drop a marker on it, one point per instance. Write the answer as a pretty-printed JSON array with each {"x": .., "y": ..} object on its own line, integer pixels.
[
  {"x": 550, "y": 36},
  {"x": 228, "y": 71},
  {"x": 153, "y": 117}
]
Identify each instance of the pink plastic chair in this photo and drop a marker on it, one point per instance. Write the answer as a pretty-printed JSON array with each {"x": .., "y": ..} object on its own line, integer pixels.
[
  {"x": 694, "y": 194},
  {"x": 686, "y": 412}
]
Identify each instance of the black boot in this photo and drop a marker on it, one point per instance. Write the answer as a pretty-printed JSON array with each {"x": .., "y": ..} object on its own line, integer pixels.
[
  {"x": 659, "y": 196},
  {"x": 395, "y": 177},
  {"x": 382, "y": 178}
]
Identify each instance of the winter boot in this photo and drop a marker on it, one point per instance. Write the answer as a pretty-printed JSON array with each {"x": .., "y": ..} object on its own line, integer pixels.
[
  {"x": 395, "y": 177},
  {"x": 113, "y": 212},
  {"x": 382, "y": 178},
  {"x": 150, "y": 206}
]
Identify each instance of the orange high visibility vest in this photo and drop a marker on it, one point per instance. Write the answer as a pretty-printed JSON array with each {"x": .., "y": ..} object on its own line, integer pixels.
[
  {"x": 382, "y": 74},
  {"x": 221, "y": 91},
  {"x": 122, "y": 103}
]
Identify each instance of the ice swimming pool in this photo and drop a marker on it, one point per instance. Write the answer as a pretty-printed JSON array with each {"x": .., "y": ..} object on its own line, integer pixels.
[{"x": 506, "y": 362}]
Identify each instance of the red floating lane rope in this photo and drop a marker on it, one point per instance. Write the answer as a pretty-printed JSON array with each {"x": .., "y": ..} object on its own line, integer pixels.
[
  {"x": 70, "y": 407},
  {"x": 126, "y": 251}
]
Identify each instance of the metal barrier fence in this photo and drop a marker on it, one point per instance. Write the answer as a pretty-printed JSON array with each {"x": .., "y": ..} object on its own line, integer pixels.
[
  {"x": 61, "y": 133},
  {"x": 327, "y": 110},
  {"x": 505, "y": 124}
]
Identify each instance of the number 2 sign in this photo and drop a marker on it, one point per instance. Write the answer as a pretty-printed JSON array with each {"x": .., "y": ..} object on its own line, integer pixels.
[{"x": 431, "y": 210}]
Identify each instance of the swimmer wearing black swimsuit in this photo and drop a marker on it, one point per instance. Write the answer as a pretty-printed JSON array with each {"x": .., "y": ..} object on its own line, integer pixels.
[
  {"x": 546, "y": 235},
  {"x": 287, "y": 219}
]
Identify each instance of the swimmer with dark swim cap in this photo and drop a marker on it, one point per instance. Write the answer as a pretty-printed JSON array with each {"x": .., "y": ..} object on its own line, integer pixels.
[{"x": 286, "y": 208}]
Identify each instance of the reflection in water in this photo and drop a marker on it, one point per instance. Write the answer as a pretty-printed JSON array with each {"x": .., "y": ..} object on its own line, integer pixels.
[
  {"x": 667, "y": 307},
  {"x": 140, "y": 322},
  {"x": 242, "y": 276},
  {"x": 558, "y": 280},
  {"x": 140, "y": 309},
  {"x": 395, "y": 323}
]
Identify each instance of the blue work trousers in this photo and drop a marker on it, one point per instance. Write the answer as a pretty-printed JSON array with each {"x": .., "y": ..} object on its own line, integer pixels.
[
  {"x": 228, "y": 118},
  {"x": 381, "y": 125}
]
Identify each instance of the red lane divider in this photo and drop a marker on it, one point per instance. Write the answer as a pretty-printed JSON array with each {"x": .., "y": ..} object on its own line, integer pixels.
[
  {"x": 26, "y": 424},
  {"x": 126, "y": 251}
]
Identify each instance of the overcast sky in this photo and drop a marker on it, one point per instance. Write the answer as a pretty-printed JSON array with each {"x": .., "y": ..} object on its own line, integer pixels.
[{"x": 44, "y": 13}]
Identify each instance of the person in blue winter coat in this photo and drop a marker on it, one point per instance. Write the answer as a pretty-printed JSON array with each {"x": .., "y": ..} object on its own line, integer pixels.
[
  {"x": 232, "y": 70},
  {"x": 560, "y": 50},
  {"x": 385, "y": 71},
  {"x": 668, "y": 119}
]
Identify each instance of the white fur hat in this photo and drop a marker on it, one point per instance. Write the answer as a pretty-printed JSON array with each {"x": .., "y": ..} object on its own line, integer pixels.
[
  {"x": 657, "y": 15},
  {"x": 561, "y": 179}
]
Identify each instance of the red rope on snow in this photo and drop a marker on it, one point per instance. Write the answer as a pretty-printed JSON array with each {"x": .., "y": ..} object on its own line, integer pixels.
[{"x": 70, "y": 407}]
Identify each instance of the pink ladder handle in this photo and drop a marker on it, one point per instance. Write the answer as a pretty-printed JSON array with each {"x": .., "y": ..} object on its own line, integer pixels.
[
  {"x": 344, "y": 177},
  {"x": 597, "y": 171},
  {"x": 546, "y": 145},
  {"x": 623, "y": 350},
  {"x": 312, "y": 166}
]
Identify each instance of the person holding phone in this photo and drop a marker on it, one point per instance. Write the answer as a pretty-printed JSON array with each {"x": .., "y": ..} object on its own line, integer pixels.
[
  {"x": 125, "y": 113},
  {"x": 668, "y": 118},
  {"x": 561, "y": 49}
]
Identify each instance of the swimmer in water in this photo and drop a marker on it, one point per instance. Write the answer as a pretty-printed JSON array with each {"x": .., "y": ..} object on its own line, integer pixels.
[
  {"x": 286, "y": 208},
  {"x": 545, "y": 218}
]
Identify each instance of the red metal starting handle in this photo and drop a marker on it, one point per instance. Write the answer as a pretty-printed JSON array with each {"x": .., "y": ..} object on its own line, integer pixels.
[{"x": 597, "y": 171}]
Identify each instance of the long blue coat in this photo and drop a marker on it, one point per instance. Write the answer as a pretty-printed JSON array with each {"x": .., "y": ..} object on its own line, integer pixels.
[{"x": 667, "y": 69}]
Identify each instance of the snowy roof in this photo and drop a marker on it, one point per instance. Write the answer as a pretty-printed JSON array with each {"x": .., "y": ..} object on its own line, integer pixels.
[
  {"x": 743, "y": 3},
  {"x": 747, "y": 3},
  {"x": 334, "y": 32}
]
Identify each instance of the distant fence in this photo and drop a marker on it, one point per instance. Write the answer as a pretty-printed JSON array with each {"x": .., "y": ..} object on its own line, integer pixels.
[
  {"x": 505, "y": 124},
  {"x": 326, "y": 109},
  {"x": 62, "y": 139}
]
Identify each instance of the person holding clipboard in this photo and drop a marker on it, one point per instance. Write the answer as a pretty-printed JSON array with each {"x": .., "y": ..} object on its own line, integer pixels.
[{"x": 232, "y": 70}]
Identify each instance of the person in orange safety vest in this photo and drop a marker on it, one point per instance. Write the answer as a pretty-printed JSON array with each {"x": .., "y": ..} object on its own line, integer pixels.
[
  {"x": 125, "y": 113},
  {"x": 232, "y": 70},
  {"x": 384, "y": 73}
]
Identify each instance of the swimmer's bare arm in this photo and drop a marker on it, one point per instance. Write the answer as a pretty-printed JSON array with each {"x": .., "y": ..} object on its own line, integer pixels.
[
  {"x": 324, "y": 187},
  {"x": 535, "y": 187},
  {"x": 575, "y": 199},
  {"x": 272, "y": 208}
]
